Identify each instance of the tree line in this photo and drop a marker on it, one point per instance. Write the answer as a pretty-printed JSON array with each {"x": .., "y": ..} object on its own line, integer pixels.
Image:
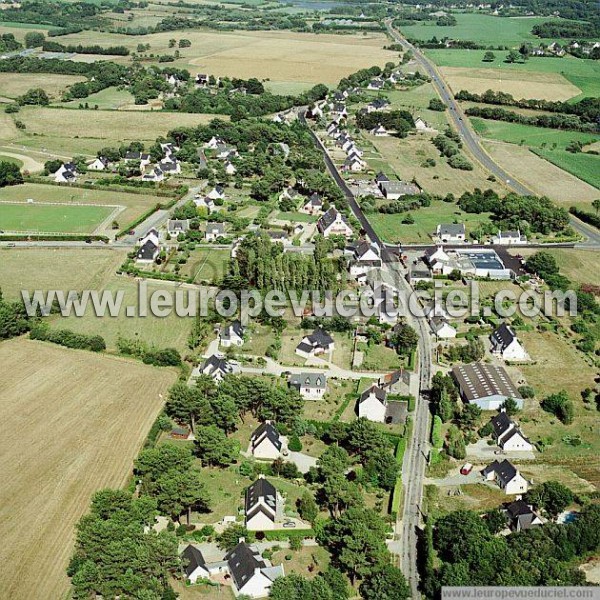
[
  {"x": 399, "y": 121},
  {"x": 566, "y": 122},
  {"x": 49, "y": 46}
]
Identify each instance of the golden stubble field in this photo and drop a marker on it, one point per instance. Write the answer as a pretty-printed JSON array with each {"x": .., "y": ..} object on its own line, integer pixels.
[
  {"x": 276, "y": 55},
  {"x": 521, "y": 84},
  {"x": 72, "y": 422}
]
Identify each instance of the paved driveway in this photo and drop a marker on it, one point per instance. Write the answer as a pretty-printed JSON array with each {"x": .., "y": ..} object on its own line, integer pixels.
[{"x": 480, "y": 451}]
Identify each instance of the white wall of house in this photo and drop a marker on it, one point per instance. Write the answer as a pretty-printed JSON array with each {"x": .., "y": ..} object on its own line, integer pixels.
[
  {"x": 517, "y": 443},
  {"x": 256, "y": 587},
  {"x": 372, "y": 409},
  {"x": 266, "y": 450},
  {"x": 260, "y": 522},
  {"x": 518, "y": 485}
]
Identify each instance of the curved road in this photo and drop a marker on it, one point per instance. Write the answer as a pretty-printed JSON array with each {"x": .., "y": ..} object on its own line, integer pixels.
[{"x": 471, "y": 140}]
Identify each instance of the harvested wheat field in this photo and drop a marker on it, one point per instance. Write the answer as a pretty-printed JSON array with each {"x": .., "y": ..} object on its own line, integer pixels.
[
  {"x": 16, "y": 84},
  {"x": 521, "y": 84},
  {"x": 541, "y": 176},
  {"x": 73, "y": 422}
]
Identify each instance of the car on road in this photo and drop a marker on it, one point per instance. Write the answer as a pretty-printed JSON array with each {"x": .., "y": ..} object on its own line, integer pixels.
[
  {"x": 466, "y": 469},
  {"x": 11, "y": 245},
  {"x": 289, "y": 524}
]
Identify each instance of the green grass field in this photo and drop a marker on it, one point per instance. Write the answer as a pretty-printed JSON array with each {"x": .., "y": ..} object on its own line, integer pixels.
[
  {"x": 391, "y": 229},
  {"x": 585, "y": 74},
  {"x": 51, "y": 218},
  {"x": 206, "y": 264},
  {"x": 12, "y": 160},
  {"x": 295, "y": 217},
  {"x": 516, "y": 133},
  {"x": 584, "y": 166},
  {"x": 484, "y": 29},
  {"x": 110, "y": 98}
]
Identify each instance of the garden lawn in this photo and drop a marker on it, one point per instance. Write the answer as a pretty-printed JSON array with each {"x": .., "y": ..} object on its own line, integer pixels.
[{"x": 51, "y": 218}]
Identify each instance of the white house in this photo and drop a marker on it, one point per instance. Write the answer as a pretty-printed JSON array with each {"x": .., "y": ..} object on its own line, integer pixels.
[
  {"x": 217, "y": 368},
  {"x": 508, "y": 435},
  {"x": 205, "y": 202},
  {"x": 451, "y": 233},
  {"x": 230, "y": 168},
  {"x": 506, "y": 345},
  {"x": 422, "y": 125},
  {"x": 99, "y": 164},
  {"x": 312, "y": 386},
  {"x": 264, "y": 506},
  {"x": 265, "y": 442},
  {"x": 232, "y": 335},
  {"x": 521, "y": 516},
  {"x": 314, "y": 205},
  {"x": 393, "y": 190},
  {"x": 217, "y": 193},
  {"x": 214, "y": 231},
  {"x": 154, "y": 174},
  {"x": 509, "y": 238},
  {"x": 442, "y": 329},
  {"x": 194, "y": 565},
  {"x": 366, "y": 256},
  {"x": 147, "y": 252},
  {"x": 376, "y": 84},
  {"x": 334, "y": 223},
  {"x": 507, "y": 476},
  {"x": 379, "y": 131},
  {"x": 66, "y": 173},
  {"x": 214, "y": 142},
  {"x": 374, "y": 406},
  {"x": 251, "y": 575},
  {"x": 318, "y": 342},
  {"x": 353, "y": 164},
  {"x": 177, "y": 226}
]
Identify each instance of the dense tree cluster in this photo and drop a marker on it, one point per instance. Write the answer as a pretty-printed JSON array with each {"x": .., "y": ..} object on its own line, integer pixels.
[
  {"x": 10, "y": 174},
  {"x": 544, "y": 556},
  {"x": 398, "y": 121},
  {"x": 13, "y": 318},
  {"x": 114, "y": 554},
  {"x": 51, "y": 46},
  {"x": 8, "y": 43},
  {"x": 67, "y": 338}
]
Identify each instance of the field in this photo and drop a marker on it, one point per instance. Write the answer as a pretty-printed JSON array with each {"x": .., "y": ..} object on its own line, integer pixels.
[
  {"x": 135, "y": 204},
  {"x": 542, "y": 176},
  {"x": 284, "y": 57},
  {"x": 72, "y": 423},
  {"x": 52, "y": 218},
  {"x": 580, "y": 266},
  {"x": 391, "y": 229},
  {"x": 484, "y": 29},
  {"x": 584, "y": 166},
  {"x": 64, "y": 269},
  {"x": 515, "y": 133},
  {"x": 108, "y": 99},
  {"x": 16, "y": 84},
  {"x": 206, "y": 264},
  {"x": 547, "y": 86},
  {"x": 46, "y": 127},
  {"x": 404, "y": 158},
  {"x": 584, "y": 74}
]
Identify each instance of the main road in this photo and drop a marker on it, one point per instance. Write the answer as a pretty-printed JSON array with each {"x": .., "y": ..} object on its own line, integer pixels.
[
  {"x": 417, "y": 451},
  {"x": 472, "y": 141}
]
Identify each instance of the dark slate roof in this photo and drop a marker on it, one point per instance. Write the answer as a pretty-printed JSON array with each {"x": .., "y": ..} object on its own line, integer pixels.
[
  {"x": 266, "y": 430},
  {"x": 518, "y": 507},
  {"x": 395, "y": 377},
  {"x": 315, "y": 200},
  {"x": 261, "y": 488},
  {"x": 310, "y": 380},
  {"x": 234, "y": 328},
  {"x": 511, "y": 434},
  {"x": 381, "y": 176},
  {"x": 242, "y": 562},
  {"x": 505, "y": 471},
  {"x": 178, "y": 224},
  {"x": 363, "y": 247},
  {"x": 147, "y": 251},
  {"x": 452, "y": 229},
  {"x": 133, "y": 155},
  {"x": 320, "y": 337},
  {"x": 304, "y": 347},
  {"x": 380, "y": 103},
  {"x": 380, "y": 394},
  {"x": 195, "y": 558},
  {"x": 501, "y": 423},
  {"x": 503, "y": 336},
  {"x": 217, "y": 364},
  {"x": 329, "y": 217}
]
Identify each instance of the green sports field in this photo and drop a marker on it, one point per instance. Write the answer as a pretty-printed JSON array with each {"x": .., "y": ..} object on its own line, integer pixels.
[{"x": 52, "y": 218}]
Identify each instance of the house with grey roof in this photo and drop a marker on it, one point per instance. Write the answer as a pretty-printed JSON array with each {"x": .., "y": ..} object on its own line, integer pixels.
[
  {"x": 251, "y": 575},
  {"x": 504, "y": 343},
  {"x": 312, "y": 386},
  {"x": 263, "y": 506},
  {"x": 314, "y": 205},
  {"x": 265, "y": 442},
  {"x": 317, "y": 343},
  {"x": 506, "y": 476},
  {"x": 194, "y": 565},
  {"x": 485, "y": 385},
  {"x": 508, "y": 435},
  {"x": 373, "y": 405},
  {"x": 217, "y": 368},
  {"x": 451, "y": 233},
  {"x": 214, "y": 231},
  {"x": 147, "y": 252},
  {"x": 521, "y": 516},
  {"x": 177, "y": 226},
  {"x": 509, "y": 238},
  {"x": 393, "y": 190},
  {"x": 232, "y": 335},
  {"x": 334, "y": 222}
]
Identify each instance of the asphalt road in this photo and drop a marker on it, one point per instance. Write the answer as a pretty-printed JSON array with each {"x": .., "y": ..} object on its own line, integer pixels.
[
  {"x": 472, "y": 141},
  {"x": 415, "y": 457}
]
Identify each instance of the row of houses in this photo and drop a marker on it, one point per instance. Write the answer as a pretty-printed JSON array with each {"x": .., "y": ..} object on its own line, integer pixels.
[{"x": 455, "y": 233}]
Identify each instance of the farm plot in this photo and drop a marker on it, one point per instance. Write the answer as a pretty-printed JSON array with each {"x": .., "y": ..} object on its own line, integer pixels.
[
  {"x": 134, "y": 204},
  {"x": 73, "y": 422},
  {"x": 53, "y": 268},
  {"x": 286, "y": 57},
  {"x": 52, "y": 218},
  {"x": 46, "y": 127},
  {"x": 16, "y": 84},
  {"x": 206, "y": 265},
  {"x": 541, "y": 176}
]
